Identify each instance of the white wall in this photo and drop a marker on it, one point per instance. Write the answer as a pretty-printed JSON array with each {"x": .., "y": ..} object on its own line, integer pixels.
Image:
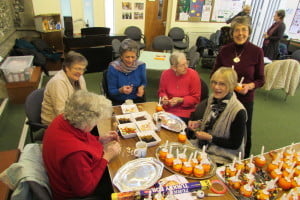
[
  {"x": 46, "y": 6},
  {"x": 121, "y": 24}
]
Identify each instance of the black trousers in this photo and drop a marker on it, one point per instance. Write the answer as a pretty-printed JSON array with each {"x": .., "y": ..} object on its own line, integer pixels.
[{"x": 249, "y": 109}]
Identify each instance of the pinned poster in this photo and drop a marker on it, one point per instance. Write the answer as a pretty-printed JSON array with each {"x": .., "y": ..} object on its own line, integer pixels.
[{"x": 206, "y": 13}]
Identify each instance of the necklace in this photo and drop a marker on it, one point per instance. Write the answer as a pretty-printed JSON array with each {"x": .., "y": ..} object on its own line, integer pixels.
[{"x": 237, "y": 59}]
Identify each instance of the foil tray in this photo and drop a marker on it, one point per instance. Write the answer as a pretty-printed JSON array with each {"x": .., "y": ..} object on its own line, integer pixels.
[
  {"x": 189, "y": 149},
  {"x": 138, "y": 174},
  {"x": 170, "y": 121}
]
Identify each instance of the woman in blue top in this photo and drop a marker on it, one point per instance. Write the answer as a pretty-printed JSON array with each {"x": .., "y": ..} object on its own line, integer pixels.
[{"x": 126, "y": 76}]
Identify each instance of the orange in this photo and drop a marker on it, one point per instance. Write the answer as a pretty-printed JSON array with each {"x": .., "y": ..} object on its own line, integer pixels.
[
  {"x": 206, "y": 167},
  {"x": 198, "y": 171},
  {"x": 177, "y": 167},
  {"x": 163, "y": 153},
  {"x": 271, "y": 167},
  {"x": 159, "y": 108},
  {"x": 230, "y": 171},
  {"x": 238, "y": 88},
  {"x": 169, "y": 160},
  {"x": 187, "y": 169},
  {"x": 182, "y": 137},
  {"x": 275, "y": 173},
  {"x": 260, "y": 162},
  {"x": 245, "y": 192},
  {"x": 239, "y": 166},
  {"x": 236, "y": 184},
  {"x": 263, "y": 195},
  {"x": 285, "y": 183},
  {"x": 295, "y": 183}
]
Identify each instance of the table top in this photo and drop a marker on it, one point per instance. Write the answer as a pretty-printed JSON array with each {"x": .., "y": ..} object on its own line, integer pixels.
[
  {"x": 124, "y": 157},
  {"x": 155, "y": 60}
]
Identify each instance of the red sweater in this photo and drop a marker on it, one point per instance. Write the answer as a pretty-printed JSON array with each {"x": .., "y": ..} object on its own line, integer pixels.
[
  {"x": 186, "y": 86},
  {"x": 73, "y": 160}
]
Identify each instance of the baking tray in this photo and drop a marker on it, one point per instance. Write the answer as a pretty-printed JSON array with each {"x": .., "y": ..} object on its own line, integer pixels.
[
  {"x": 138, "y": 174},
  {"x": 189, "y": 150},
  {"x": 170, "y": 121}
]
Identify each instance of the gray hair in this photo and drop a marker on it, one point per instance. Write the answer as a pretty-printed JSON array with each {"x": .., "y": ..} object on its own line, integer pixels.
[
  {"x": 129, "y": 45},
  {"x": 84, "y": 109},
  {"x": 280, "y": 13},
  {"x": 240, "y": 20},
  {"x": 73, "y": 58},
  {"x": 228, "y": 74},
  {"x": 176, "y": 57}
]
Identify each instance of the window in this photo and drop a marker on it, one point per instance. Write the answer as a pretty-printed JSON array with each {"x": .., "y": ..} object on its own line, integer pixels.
[{"x": 88, "y": 13}]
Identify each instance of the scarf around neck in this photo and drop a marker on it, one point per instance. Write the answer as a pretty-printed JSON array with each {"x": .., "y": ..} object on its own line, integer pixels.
[{"x": 120, "y": 66}]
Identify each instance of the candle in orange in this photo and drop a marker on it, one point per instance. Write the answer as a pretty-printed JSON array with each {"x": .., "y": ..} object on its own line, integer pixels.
[{"x": 182, "y": 137}]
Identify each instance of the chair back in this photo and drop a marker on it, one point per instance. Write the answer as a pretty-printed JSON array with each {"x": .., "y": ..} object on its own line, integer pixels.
[
  {"x": 176, "y": 34},
  {"x": 95, "y": 31},
  {"x": 133, "y": 32},
  {"x": 162, "y": 42},
  {"x": 33, "y": 105},
  {"x": 104, "y": 84},
  {"x": 204, "y": 90},
  {"x": 296, "y": 55},
  {"x": 116, "y": 48}
]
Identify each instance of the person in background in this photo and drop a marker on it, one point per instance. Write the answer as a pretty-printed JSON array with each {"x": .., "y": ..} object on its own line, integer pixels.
[
  {"x": 248, "y": 61},
  {"x": 64, "y": 83},
  {"x": 245, "y": 12},
  {"x": 75, "y": 160},
  {"x": 179, "y": 87},
  {"x": 223, "y": 125},
  {"x": 274, "y": 35},
  {"x": 126, "y": 76}
]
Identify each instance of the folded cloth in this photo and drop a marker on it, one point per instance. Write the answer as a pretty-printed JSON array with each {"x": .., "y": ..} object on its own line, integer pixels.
[{"x": 29, "y": 168}]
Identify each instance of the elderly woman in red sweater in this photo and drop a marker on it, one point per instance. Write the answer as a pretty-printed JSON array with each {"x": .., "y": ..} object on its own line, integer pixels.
[
  {"x": 179, "y": 87},
  {"x": 76, "y": 160},
  {"x": 248, "y": 61}
]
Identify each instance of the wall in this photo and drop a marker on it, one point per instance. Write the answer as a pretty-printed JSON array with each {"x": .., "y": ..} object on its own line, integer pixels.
[
  {"x": 290, "y": 7},
  {"x": 121, "y": 24},
  {"x": 193, "y": 29}
]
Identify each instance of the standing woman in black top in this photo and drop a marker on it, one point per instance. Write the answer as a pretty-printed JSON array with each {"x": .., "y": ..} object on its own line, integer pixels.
[{"x": 273, "y": 36}]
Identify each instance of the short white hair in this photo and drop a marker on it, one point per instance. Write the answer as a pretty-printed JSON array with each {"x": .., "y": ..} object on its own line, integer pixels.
[{"x": 84, "y": 109}]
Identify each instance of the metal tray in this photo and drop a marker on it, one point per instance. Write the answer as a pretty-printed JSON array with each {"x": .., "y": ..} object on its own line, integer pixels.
[
  {"x": 189, "y": 150},
  {"x": 138, "y": 174},
  {"x": 170, "y": 121}
]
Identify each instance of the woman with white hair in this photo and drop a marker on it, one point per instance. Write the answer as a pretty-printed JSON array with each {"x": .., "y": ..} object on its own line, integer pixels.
[
  {"x": 179, "y": 87},
  {"x": 76, "y": 160}
]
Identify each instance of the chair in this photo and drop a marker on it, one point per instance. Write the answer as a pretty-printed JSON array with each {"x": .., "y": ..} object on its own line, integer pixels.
[
  {"x": 180, "y": 39},
  {"x": 95, "y": 31},
  {"x": 135, "y": 33},
  {"x": 193, "y": 57},
  {"x": 115, "y": 43},
  {"x": 33, "y": 106},
  {"x": 204, "y": 90},
  {"x": 296, "y": 55},
  {"x": 282, "y": 74},
  {"x": 162, "y": 43}
]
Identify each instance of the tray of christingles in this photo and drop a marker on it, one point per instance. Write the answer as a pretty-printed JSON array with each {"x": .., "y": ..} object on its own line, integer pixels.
[
  {"x": 264, "y": 177},
  {"x": 186, "y": 160}
]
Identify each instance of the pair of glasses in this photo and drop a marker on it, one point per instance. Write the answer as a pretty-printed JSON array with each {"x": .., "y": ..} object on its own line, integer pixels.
[
  {"x": 79, "y": 69},
  {"x": 221, "y": 84}
]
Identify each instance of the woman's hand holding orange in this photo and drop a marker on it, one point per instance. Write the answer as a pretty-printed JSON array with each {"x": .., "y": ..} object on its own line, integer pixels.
[
  {"x": 175, "y": 100},
  {"x": 165, "y": 100},
  {"x": 126, "y": 89}
]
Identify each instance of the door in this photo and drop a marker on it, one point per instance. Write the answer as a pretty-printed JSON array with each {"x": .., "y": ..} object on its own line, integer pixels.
[{"x": 155, "y": 20}]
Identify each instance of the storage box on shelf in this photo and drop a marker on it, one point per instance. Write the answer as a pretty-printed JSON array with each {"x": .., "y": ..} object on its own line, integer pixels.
[
  {"x": 18, "y": 91},
  {"x": 17, "y": 68}
]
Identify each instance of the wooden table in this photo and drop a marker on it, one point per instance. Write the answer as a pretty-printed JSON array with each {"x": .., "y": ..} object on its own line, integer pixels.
[{"x": 124, "y": 157}]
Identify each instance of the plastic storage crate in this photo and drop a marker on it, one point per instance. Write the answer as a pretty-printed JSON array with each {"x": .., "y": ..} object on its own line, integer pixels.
[{"x": 17, "y": 68}]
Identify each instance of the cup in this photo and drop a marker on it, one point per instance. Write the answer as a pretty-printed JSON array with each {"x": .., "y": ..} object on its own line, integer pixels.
[
  {"x": 141, "y": 149},
  {"x": 128, "y": 101}
]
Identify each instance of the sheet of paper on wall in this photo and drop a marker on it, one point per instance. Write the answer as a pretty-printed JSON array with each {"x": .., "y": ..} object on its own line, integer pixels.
[
  {"x": 206, "y": 13},
  {"x": 183, "y": 16}
]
